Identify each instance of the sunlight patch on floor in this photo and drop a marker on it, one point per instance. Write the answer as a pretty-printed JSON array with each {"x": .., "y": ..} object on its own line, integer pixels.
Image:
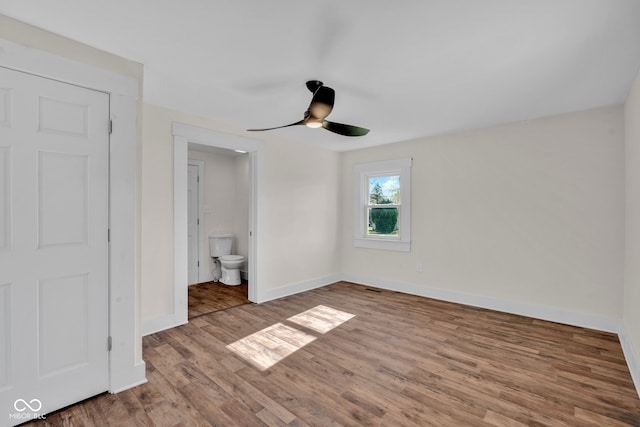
[
  {"x": 265, "y": 348},
  {"x": 321, "y": 318}
]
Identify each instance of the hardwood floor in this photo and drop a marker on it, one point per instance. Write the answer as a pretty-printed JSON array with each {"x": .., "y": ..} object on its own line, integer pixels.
[
  {"x": 350, "y": 355},
  {"x": 214, "y": 296}
]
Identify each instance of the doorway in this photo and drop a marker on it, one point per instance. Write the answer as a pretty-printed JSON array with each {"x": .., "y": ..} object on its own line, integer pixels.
[
  {"x": 217, "y": 204},
  {"x": 183, "y": 135}
]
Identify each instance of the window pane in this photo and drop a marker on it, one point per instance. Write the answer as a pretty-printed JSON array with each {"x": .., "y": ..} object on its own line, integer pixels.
[
  {"x": 383, "y": 221},
  {"x": 384, "y": 189}
]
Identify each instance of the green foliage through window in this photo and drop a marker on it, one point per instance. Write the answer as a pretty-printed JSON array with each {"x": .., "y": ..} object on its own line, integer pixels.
[{"x": 383, "y": 221}]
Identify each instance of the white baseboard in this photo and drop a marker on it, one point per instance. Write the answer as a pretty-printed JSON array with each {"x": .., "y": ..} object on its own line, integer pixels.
[
  {"x": 157, "y": 324},
  {"x": 138, "y": 377},
  {"x": 574, "y": 318},
  {"x": 296, "y": 288},
  {"x": 633, "y": 358}
]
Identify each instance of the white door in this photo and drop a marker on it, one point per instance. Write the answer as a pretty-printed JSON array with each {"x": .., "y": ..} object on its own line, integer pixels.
[
  {"x": 54, "y": 153},
  {"x": 193, "y": 223}
]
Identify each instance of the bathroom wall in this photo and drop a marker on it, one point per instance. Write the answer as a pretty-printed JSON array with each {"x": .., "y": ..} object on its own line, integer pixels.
[{"x": 226, "y": 199}]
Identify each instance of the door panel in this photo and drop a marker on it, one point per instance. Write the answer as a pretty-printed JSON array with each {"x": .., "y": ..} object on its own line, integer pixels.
[
  {"x": 54, "y": 153},
  {"x": 62, "y": 199},
  {"x": 192, "y": 223},
  {"x": 5, "y": 202},
  {"x": 5, "y": 334},
  {"x": 63, "y": 316},
  {"x": 62, "y": 117},
  {"x": 5, "y": 106}
]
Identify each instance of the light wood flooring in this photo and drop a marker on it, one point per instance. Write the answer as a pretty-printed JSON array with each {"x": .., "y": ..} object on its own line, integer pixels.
[
  {"x": 208, "y": 297},
  {"x": 350, "y": 355}
]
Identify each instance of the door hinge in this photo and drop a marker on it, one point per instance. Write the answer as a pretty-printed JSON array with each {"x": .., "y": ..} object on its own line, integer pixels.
[
  {"x": 198, "y": 221},
  {"x": 109, "y": 343},
  {"x": 110, "y": 127},
  {"x": 198, "y": 263},
  {"x": 108, "y": 235}
]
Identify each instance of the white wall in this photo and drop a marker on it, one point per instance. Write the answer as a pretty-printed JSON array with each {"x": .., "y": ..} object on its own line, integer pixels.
[
  {"x": 301, "y": 213},
  {"x": 157, "y": 215},
  {"x": 226, "y": 200},
  {"x": 526, "y": 218},
  {"x": 28, "y": 35},
  {"x": 631, "y": 312},
  {"x": 303, "y": 217}
]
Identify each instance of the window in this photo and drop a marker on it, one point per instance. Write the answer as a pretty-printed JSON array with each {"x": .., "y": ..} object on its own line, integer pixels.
[{"x": 383, "y": 205}]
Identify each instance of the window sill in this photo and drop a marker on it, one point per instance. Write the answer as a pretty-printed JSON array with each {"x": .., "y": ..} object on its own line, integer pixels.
[{"x": 384, "y": 244}]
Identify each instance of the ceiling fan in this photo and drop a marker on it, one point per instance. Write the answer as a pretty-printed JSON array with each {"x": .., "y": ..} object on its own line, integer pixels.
[{"x": 320, "y": 107}]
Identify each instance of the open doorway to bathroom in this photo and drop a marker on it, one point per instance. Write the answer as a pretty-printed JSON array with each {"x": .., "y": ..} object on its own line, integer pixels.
[
  {"x": 247, "y": 238},
  {"x": 218, "y": 192}
]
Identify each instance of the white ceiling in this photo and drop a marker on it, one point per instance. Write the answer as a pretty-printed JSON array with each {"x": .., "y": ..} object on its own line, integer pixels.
[{"x": 405, "y": 69}]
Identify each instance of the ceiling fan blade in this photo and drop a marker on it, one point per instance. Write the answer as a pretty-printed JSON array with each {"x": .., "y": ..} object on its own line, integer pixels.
[
  {"x": 301, "y": 122},
  {"x": 313, "y": 85},
  {"x": 342, "y": 129},
  {"x": 322, "y": 102}
]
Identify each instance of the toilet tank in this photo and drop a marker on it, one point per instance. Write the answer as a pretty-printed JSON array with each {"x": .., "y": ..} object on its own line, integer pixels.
[{"x": 220, "y": 244}]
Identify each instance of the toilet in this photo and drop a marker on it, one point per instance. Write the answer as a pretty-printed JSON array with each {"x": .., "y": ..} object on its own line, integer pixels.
[{"x": 220, "y": 248}]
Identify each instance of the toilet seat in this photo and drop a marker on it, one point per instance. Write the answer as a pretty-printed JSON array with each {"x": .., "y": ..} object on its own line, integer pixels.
[{"x": 231, "y": 258}]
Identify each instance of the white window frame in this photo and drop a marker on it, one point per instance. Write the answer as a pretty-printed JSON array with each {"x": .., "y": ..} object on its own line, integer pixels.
[{"x": 362, "y": 173}]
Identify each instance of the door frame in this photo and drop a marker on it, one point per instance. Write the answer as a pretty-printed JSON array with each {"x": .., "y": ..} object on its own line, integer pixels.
[
  {"x": 183, "y": 134},
  {"x": 126, "y": 367},
  {"x": 202, "y": 269}
]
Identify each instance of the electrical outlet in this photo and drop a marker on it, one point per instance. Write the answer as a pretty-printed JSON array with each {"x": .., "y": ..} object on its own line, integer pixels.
[{"x": 419, "y": 267}]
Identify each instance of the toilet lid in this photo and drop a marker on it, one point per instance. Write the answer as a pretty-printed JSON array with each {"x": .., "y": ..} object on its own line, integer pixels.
[{"x": 231, "y": 258}]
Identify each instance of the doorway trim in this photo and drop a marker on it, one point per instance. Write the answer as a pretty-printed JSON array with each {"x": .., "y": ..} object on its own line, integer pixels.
[
  {"x": 183, "y": 134},
  {"x": 126, "y": 367}
]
